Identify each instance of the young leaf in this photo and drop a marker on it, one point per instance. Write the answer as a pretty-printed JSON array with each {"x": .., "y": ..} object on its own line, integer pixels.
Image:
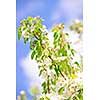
[
  {"x": 68, "y": 47},
  {"x": 46, "y": 98},
  {"x": 73, "y": 51},
  {"x": 26, "y": 39},
  {"x": 76, "y": 63},
  {"x": 74, "y": 76},
  {"x": 33, "y": 54},
  {"x": 53, "y": 89},
  {"x": 60, "y": 91},
  {"x": 29, "y": 18},
  {"x": 19, "y": 33},
  {"x": 41, "y": 98},
  {"x": 53, "y": 81},
  {"x": 56, "y": 70},
  {"x": 40, "y": 72},
  {"x": 71, "y": 27},
  {"x": 44, "y": 84},
  {"x": 55, "y": 35}
]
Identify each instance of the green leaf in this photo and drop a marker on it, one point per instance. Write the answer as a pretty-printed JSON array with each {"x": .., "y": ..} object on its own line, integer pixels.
[
  {"x": 19, "y": 33},
  {"x": 68, "y": 47},
  {"x": 73, "y": 51},
  {"x": 53, "y": 89},
  {"x": 29, "y": 18},
  {"x": 26, "y": 39},
  {"x": 63, "y": 51},
  {"x": 80, "y": 94},
  {"x": 53, "y": 81},
  {"x": 44, "y": 84},
  {"x": 39, "y": 50},
  {"x": 73, "y": 76},
  {"x": 76, "y": 98},
  {"x": 40, "y": 72},
  {"x": 24, "y": 22},
  {"x": 56, "y": 70},
  {"x": 41, "y": 98},
  {"x": 55, "y": 35},
  {"x": 51, "y": 67},
  {"x": 46, "y": 98},
  {"x": 69, "y": 68},
  {"x": 76, "y": 63},
  {"x": 71, "y": 27},
  {"x": 67, "y": 34},
  {"x": 33, "y": 54},
  {"x": 60, "y": 91}
]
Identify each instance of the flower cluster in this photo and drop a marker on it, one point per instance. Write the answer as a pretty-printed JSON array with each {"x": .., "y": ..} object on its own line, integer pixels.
[{"x": 56, "y": 63}]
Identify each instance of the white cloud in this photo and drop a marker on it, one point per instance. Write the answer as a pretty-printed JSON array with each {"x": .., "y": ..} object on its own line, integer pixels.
[
  {"x": 50, "y": 37},
  {"x": 31, "y": 70},
  {"x": 68, "y": 9},
  {"x": 77, "y": 43}
]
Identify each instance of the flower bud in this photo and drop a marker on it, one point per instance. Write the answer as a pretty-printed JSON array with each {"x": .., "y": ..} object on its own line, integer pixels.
[
  {"x": 80, "y": 29},
  {"x": 23, "y": 95},
  {"x": 77, "y": 21}
]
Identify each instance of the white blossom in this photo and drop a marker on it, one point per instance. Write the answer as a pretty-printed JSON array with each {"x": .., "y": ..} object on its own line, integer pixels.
[{"x": 77, "y": 21}]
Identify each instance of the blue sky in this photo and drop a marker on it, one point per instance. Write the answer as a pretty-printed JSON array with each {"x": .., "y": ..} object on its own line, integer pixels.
[{"x": 53, "y": 11}]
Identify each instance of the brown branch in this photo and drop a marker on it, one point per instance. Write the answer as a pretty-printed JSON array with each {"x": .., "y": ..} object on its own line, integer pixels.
[
  {"x": 58, "y": 69},
  {"x": 62, "y": 75},
  {"x": 48, "y": 84},
  {"x": 36, "y": 37},
  {"x": 50, "y": 58}
]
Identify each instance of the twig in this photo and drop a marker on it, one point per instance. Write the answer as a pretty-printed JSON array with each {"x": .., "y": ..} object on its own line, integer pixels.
[
  {"x": 62, "y": 75},
  {"x": 58, "y": 69},
  {"x": 48, "y": 85}
]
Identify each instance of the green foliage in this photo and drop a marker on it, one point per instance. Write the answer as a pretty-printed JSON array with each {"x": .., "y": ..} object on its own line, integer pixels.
[
  {"x": 44, "y": 85},
  {"x": 54, "y": 61},
  {"x": 45, "y": 98},
  {"x": 80, "y": 94},
  {"x": 77, "y": 26}
]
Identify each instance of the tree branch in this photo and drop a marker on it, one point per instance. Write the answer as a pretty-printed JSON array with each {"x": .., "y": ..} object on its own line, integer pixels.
[
  {"x": 48, "y": 84},
  {"x": 58, "y": 69},
  {"x": 62, "y": 74}
]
